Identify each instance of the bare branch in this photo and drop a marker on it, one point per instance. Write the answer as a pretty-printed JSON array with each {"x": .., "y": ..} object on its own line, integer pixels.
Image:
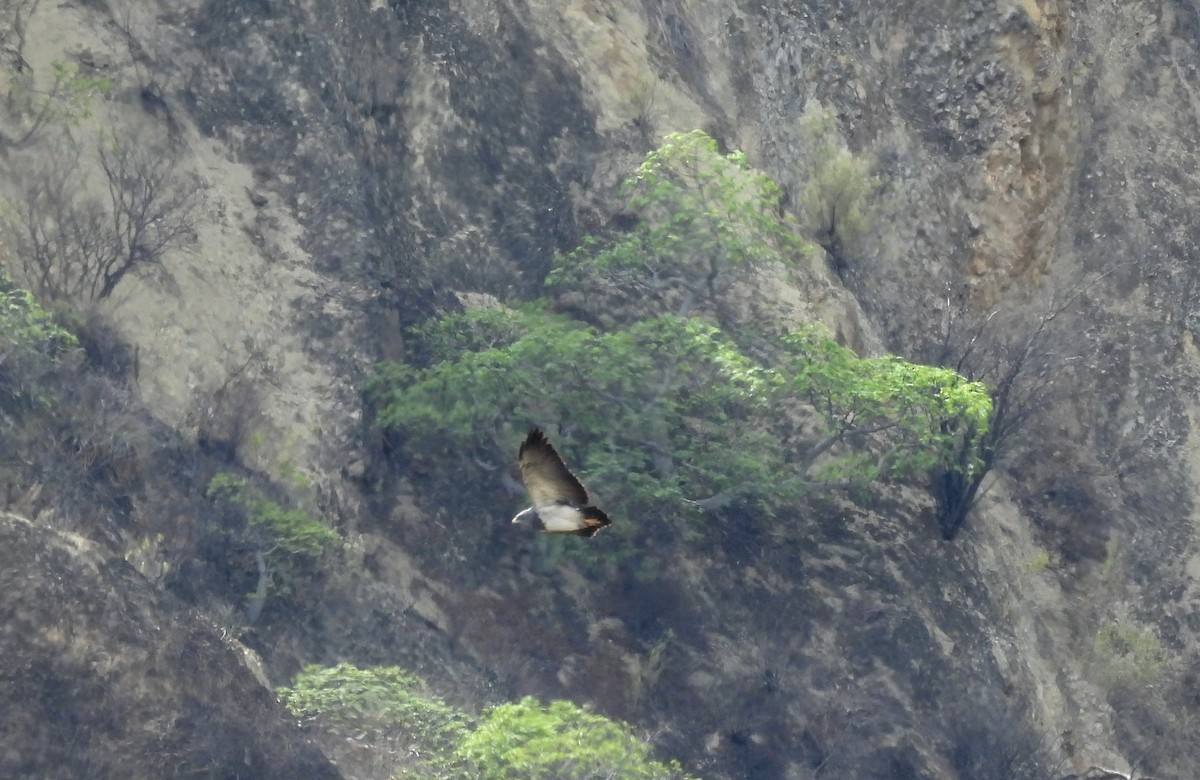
[
  {"x": 1020, "y": 371},
  {"x": 153, "y": 207},
  {"x": 73, "y": 246}
]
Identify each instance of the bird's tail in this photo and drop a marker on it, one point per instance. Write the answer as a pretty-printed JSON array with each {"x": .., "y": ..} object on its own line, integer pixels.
[{"x": 595, "y": 519}]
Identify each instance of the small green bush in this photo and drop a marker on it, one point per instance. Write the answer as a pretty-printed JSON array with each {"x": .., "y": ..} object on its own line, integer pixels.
[
  {"x": 292, "y": 531},
  {"x": 31, "y": 344},
  {"x": 1040, "y": 562},
  {"x": 1127, "y": 656},
  {"x": 837, "y": 188},
  {"x": 525, "y": 741},
  {"x": 377, "y": 703}
]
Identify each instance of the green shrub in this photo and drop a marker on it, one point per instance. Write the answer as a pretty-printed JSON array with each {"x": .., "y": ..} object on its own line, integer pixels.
[
  {"x": 837, "y": 187},
  {"x": 526, "y": 741},
  {"x": 703, "y": 218},
  {"x": 290, "y": 531},
  {"x": 1040, "y": 562},
  {"x": 31, "y": 344},
  {"x": 378, "y": 704},
  {"x": 1128, "y": 657}
]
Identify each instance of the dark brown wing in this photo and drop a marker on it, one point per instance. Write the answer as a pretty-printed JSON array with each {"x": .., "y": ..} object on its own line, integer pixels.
[{"x": 546, "y": 477}]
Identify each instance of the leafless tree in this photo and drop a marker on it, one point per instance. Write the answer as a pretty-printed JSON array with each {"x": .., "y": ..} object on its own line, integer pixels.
[
  {"x": 226, "y": 416},
  {"x": 73, "y": 245},
  {"x": 153, "y": 208},
  {"x": 54, "y": 233},
  {"x": 1019, "y": 359}
]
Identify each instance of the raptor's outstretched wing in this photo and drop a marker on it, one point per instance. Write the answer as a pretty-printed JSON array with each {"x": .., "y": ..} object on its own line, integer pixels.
[{"x": 546, "y": 477}]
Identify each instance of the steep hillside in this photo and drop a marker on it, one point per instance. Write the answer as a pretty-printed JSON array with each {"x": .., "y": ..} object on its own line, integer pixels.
[
  {"x": 105, "y": 676},
  {"x": 352, "y": 169}
]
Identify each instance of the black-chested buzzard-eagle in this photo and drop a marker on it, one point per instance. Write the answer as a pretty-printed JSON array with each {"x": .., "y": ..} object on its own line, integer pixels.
[{"x": 560, "y": 502}]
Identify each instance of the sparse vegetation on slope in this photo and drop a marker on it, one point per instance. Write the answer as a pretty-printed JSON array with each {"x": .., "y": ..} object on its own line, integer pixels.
[
  {"x": 74, "y": 247},
  {"x": 64, "y": 101}
]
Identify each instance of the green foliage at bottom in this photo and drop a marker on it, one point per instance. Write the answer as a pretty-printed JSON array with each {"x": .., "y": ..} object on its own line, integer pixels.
[
  {"x": 378, "y": 704},
  {"x": 386, "y": 708},
  {"x": 561, "y": 741}
]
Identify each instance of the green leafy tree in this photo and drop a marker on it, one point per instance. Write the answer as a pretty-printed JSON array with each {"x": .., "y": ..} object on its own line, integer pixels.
[
  {"x": 658, "y": 410},
  {"x": 837, "y": 187},
  {"x": 702, "y": 219},
  {"x": 413, "y": 733},
  {"x": 32, "y": 343},
  {"x": 670, "y": 416},
  {"x": 290, "y": 532},
  {"x": 899, "y": 419},
  {"x": 385, "y": 709},
  {"x": 666, "y": 410},
  {"x": 525, "y": 741}
]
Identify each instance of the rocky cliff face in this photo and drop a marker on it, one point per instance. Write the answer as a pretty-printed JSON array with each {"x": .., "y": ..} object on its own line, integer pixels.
[
  {"x": 365, "y": 160},
  {"x": 105, "y": 676}
]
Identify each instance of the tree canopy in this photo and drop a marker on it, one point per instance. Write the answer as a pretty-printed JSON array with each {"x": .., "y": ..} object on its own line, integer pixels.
[
  {"x": 665, "y": 411},
  {"x": 656, "y": 410},
  {"x": 525, "y": 740},
  {"x": 670, "y": 416},
  {"x": 702, "y": 218},
  {"x": 901, "y": 418}
]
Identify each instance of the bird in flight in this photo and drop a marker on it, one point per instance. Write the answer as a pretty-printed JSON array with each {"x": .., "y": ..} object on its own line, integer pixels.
[{"x": 560, "y": 502}]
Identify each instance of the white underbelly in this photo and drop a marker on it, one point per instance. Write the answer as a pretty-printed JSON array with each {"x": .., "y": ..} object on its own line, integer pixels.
[{"x": 560, "y": 518}]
